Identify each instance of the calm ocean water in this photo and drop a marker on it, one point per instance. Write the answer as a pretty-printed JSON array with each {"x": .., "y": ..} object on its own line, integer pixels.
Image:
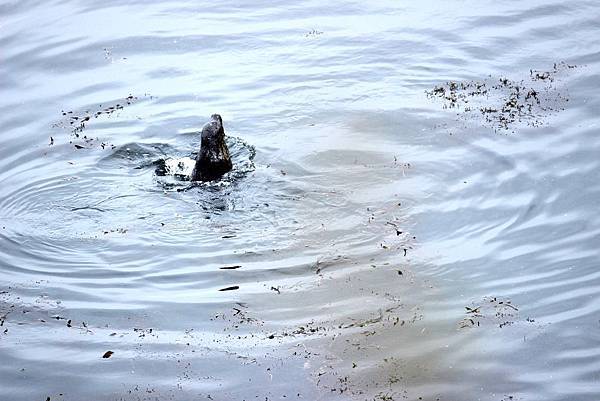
[{"x": 413, "y": 213}]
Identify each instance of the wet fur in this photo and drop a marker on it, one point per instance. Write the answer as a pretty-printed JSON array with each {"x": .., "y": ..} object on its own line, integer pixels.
[{"x": 213, "y": 159}]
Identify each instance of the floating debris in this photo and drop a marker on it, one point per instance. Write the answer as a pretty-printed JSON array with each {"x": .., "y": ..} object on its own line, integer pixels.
[
  {"x": 503, "y": 103},
  {"x": 114, "y": 230},
  {"x": 77, "y": 123},
  {"x": 313, "y": 33},
  {"x": 492, "y": 310},
  {"x": 230, "y": 267},
  {"x": 232, "y": 288}
]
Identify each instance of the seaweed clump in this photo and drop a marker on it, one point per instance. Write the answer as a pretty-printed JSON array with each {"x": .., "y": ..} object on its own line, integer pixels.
[{"x": 503, "y": 103}]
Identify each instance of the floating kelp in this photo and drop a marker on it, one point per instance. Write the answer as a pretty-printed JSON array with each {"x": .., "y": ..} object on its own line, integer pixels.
[{"x": 502, "y": 103}]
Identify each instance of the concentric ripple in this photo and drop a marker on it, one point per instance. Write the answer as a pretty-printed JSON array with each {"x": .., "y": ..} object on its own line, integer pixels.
[{"x": 371, "y": 243}]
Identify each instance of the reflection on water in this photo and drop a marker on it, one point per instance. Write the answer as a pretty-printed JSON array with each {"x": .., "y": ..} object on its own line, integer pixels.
[{"x": 369, "y": 244}]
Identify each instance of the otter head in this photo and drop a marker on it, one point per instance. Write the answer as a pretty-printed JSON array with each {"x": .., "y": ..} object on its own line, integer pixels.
[{"x": 213, "y": 158}]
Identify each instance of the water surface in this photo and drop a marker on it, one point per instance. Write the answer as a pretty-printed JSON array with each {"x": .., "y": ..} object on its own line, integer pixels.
[{"x": 374, "y": 243}]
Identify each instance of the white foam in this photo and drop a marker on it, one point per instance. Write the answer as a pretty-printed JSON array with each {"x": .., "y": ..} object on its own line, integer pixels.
[{"x": 182, "y": 166}]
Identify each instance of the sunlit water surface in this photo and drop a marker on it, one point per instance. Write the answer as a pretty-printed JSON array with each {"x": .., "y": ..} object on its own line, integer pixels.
[{"x": 373, "y": 244}]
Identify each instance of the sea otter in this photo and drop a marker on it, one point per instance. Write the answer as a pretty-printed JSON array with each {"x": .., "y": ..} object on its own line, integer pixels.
[{"x": 213, "y": 159}]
